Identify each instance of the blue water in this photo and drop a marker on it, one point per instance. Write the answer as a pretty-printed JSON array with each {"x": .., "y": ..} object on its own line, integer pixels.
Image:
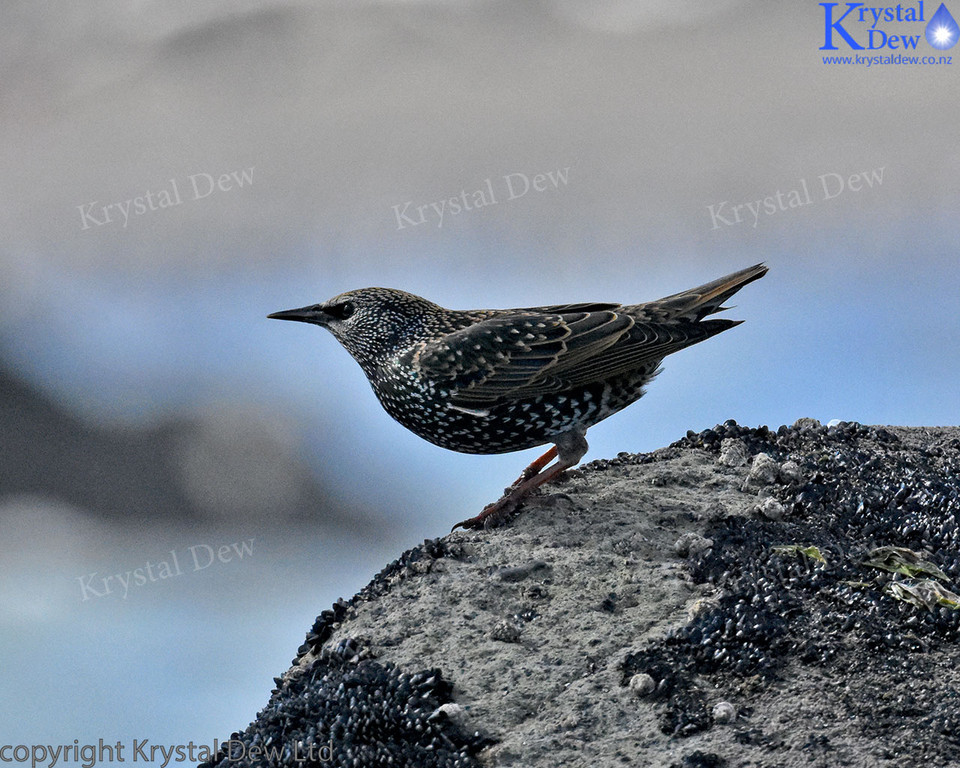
[{"x": 188, "y": 657}]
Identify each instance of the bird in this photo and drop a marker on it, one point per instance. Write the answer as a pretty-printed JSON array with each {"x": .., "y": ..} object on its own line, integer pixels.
[{"x": 491, "y": 381}]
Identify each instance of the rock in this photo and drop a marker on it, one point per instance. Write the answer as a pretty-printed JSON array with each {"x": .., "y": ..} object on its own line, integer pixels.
[
  {"x": 691, "y": 543},
  {"x": 590, "y": 609},
  {"x": 642, "y": 684},
  {"x": 521, "y": 572},
  {"x": 724, "y": 712},
  {"x": 733, "y": 452},
  {"x": 763, "y": 471},
  {"x": 453, "y": 712},
  {"x": 770, "y": 508},
  {"x": 790, "y": 473},
  {"x": 506, "y": 632},
  {"x": 702, "y": 606}
]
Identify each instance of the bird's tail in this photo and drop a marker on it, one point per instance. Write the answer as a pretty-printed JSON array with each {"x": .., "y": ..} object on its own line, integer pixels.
[{"x": 706, "y": 299}]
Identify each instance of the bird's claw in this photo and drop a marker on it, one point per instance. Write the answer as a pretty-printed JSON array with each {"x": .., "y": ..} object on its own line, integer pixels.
[{"x": 492, "y": 516}]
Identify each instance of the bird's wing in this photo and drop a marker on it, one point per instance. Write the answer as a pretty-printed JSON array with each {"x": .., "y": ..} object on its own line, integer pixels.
[
  {"x": 559, "y": 309},
  {"x": 528, "y": 354}
]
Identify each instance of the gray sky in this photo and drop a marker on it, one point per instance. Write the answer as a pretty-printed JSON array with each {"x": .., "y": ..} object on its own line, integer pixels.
[
  {"x": 255, "y": 156},
  {"x": 338, "y": 121}
]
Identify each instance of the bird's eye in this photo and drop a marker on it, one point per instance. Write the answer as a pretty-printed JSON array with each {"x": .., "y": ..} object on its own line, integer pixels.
[{"x": 342, "y": 311}]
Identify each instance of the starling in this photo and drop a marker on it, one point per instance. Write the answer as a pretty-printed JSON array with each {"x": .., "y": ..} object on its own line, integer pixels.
[{"x": 499, "y": 380}]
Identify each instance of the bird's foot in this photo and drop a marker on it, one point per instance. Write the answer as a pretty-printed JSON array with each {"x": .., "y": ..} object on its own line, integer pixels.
[
  {"x": 493, "y": 515},
  {"x": 532, "y": 478}
]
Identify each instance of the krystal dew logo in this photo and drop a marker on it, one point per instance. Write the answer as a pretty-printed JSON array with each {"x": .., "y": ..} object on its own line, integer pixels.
[{"x": 859, "y": 27}]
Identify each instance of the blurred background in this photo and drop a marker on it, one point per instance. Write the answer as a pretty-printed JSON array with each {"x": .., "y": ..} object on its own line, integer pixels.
[{"x": 185, "y": 485}]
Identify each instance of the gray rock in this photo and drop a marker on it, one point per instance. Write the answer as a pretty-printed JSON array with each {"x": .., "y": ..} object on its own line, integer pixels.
[
  {"x": 521, "y": 572},
  {"x": 724, "y": 712},
  {"x": 642, "y": 684},
  {"x": 770, "y": 508},
  {"x": 506, "y": 632},
  {"x": 790, "y": 473},
  {"x": 454, "y": 713},
  {"x": 763, "y": 471},
  {"x": 733, "y": 452},
  {"x": 691, "y": 543},
  {"x": 556, "y": 681}
]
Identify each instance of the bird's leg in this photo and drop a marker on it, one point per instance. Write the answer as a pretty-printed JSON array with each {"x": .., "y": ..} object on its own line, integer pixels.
[
  {"x": 536, "y": 466},
  {"x": 493, "y": 514},
  {"x": 569, "y": 449}
]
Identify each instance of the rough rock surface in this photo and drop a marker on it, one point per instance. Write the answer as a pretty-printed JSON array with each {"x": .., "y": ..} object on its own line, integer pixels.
[{"x": 651, "y": 610}]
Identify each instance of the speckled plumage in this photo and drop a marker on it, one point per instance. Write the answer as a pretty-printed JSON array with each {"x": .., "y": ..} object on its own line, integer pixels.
[{"x": 493, "y": 381}]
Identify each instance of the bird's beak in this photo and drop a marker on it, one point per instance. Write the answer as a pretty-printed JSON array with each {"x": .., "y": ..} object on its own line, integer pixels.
[{"x": 312, "y": 314}]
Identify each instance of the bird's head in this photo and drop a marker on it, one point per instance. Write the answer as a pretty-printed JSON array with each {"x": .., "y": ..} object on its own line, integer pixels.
[{"x": 372, "y": 323}]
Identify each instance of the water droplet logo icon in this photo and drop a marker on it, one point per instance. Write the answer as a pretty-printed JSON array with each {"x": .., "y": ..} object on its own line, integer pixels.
[{"x": 942, "y": 31}]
